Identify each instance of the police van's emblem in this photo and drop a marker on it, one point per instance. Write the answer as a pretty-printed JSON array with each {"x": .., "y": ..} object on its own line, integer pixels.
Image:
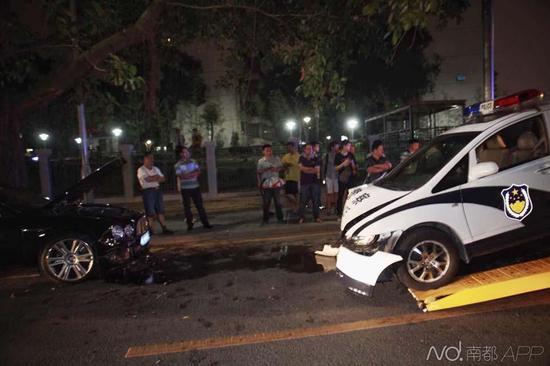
[{"x": 517, "y": 203}]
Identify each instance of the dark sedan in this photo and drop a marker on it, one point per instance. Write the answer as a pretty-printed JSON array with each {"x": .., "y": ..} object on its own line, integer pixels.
[{"x": 72, "y": 240}]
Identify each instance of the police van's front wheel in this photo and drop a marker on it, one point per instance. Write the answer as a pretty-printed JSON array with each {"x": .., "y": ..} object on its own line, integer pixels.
[{"x": 430, "y": 260}]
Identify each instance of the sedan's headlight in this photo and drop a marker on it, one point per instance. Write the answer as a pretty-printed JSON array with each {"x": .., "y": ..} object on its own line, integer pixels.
[
  {"x": 129, "y": 230},
  {"x": 117, "y": 232}
]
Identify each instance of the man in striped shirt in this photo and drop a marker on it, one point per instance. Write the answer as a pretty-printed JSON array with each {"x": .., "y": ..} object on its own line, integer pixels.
[{"x": 188, "y": 171}]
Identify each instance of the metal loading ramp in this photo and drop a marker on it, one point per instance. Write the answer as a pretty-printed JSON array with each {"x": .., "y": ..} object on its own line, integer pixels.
[{"x": 488, "y": 285}]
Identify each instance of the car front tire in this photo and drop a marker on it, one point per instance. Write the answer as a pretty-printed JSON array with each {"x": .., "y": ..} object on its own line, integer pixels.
[
  {"x": 430, "y": 259},
  {"x": 68, "y": 259}
]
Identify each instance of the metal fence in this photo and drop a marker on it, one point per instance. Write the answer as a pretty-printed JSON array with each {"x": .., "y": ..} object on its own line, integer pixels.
[{"x": 236, "y": 168}]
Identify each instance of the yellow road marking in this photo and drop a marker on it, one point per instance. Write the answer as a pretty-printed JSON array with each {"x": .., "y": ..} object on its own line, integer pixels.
[
  {"x": 16, "y": 277},
  {"x": 534, "y": 299}
]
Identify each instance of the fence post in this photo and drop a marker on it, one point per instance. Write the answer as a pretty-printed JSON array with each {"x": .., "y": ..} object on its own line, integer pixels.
[
  {"x": 127, "y": 170},
  {"x": 211, "y": 170},
  {"x": 45, "y": 172}
]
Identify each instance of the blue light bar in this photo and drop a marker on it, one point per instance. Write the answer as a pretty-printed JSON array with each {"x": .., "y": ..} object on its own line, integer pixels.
[
  {"x": 507, "y": 103},
  {"x": 471, "y": 110}
]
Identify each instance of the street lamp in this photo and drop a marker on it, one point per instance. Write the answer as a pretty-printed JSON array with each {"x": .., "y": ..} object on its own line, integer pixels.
[
  {"x": 148, "y": 144},
  {"x": 290, "y": 126},
  {"x": 43, "y": 136},
  {"x": 343, "y": 137},
  {"x": 78, "y": 140},
  {"x": 352, "y": 125},
  {"x": 307, "y": 119},
  {"x": 117, "y": 132}
]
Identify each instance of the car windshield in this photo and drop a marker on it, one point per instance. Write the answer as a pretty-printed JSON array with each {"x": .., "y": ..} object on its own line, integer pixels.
[{"x": 422, "y": 166}]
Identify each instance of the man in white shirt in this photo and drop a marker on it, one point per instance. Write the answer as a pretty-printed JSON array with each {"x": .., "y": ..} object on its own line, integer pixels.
[{"x": 150, "y": 177}]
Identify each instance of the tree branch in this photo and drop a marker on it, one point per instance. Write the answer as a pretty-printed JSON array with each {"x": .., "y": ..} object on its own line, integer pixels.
[
  {"x": 68, "y": 74},
  {"x": 274, "y": 16}
]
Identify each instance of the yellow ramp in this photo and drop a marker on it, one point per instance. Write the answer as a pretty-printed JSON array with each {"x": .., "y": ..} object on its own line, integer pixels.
[{"x": 488, "y": 285}]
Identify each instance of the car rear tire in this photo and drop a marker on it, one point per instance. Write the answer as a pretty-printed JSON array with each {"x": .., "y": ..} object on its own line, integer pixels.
[
  {"x": 430, "y": 259},
  {"x": 68, "y": 259}
]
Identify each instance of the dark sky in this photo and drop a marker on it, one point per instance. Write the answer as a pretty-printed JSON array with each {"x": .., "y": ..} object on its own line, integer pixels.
[{"x": 522, "y": 45}]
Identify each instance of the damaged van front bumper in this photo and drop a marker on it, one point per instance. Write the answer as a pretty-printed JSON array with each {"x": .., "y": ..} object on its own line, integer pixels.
[{"x": 360, "y": 272}]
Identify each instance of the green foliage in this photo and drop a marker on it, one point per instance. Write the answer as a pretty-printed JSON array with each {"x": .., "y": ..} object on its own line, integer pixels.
[
  {"x": 284, "y": 58},
  {"x": 124, "y": 74},
  {"x": 211, "y": 116},
  {"x": 220, "y": 140},
  {"x": 234, "y": 139}
]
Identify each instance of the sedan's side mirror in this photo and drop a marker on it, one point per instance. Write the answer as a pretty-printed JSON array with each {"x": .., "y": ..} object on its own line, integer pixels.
[{"x": 483, "y": 169}]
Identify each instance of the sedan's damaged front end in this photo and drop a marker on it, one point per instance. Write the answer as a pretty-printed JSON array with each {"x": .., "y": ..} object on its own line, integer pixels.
[{"x": 123, "y": 243}]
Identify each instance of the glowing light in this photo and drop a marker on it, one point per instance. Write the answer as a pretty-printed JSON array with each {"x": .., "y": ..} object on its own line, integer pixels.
[
  {"x": 290, "y": 125},
  {"x": 117, "y": 132},
  {"x": 352, "y": 123},
  {"x": 43, "y": 136}
]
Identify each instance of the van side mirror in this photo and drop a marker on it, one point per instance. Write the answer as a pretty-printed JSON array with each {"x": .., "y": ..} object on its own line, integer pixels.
[{"x": 483, "y": 169}]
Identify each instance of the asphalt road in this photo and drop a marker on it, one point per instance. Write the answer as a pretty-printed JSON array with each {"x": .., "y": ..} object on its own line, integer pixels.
[{"x": 268, "y": 303}]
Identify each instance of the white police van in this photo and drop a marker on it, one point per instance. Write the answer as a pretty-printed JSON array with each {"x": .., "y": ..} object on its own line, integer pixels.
[{"x": 474, "y": 190}]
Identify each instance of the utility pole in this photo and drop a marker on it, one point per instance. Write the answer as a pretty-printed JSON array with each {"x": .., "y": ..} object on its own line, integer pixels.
[{"x": 488, "y": 50}]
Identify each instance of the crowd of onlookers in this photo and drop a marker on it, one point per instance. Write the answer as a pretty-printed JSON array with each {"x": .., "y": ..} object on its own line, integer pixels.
[{"x": 299, "y": 175}]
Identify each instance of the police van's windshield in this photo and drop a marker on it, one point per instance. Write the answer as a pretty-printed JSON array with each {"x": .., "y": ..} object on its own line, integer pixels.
[{"x": 419, "y": 168}]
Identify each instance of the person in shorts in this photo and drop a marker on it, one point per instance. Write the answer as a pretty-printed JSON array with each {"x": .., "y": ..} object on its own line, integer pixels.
[
  {"x": 331, "y": 176},
  {"x": 150, "y": 177},
  {"x": 292, "y": 174}
]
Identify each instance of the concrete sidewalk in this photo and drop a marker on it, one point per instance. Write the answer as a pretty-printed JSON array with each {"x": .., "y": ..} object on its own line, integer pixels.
[
  {"x": 223, "y": 203},
  {"x": 249, "y": 235}
]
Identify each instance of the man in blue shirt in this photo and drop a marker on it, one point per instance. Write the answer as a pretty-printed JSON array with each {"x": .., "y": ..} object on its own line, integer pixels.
[{"x": 188, "y": 171}]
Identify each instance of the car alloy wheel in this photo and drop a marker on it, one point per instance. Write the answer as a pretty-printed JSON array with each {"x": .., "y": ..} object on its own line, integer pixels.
[
  {"x": 69, "y": 260},
  {"x": 428, "y": 261}
]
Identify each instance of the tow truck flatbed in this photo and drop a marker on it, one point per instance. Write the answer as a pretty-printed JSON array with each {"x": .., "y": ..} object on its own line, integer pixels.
[{"x": 488, "y": 285}]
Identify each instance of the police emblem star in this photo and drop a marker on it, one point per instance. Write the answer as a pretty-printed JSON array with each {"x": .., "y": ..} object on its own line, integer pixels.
[{"x": 517, "y": 202}]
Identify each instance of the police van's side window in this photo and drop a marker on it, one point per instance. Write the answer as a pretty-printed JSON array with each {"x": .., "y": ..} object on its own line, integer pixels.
[
  {"x": 456, "y": 176},
  {"x": 522, "y": 142}
]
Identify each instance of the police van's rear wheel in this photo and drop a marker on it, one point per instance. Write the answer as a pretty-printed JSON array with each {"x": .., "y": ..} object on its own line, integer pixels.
[{"x": 430, "y": 260}]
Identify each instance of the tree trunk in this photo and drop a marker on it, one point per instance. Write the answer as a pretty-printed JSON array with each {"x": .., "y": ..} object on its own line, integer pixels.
[
  {"x": 152, "y": 86},
  {"x": 12, "y": 155},
  {"x": 211, "y": 131},
  {"x": 153, "y": 78}
]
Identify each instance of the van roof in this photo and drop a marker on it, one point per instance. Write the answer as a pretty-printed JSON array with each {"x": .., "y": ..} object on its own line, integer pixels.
[{"x": 482, "y": 126}]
